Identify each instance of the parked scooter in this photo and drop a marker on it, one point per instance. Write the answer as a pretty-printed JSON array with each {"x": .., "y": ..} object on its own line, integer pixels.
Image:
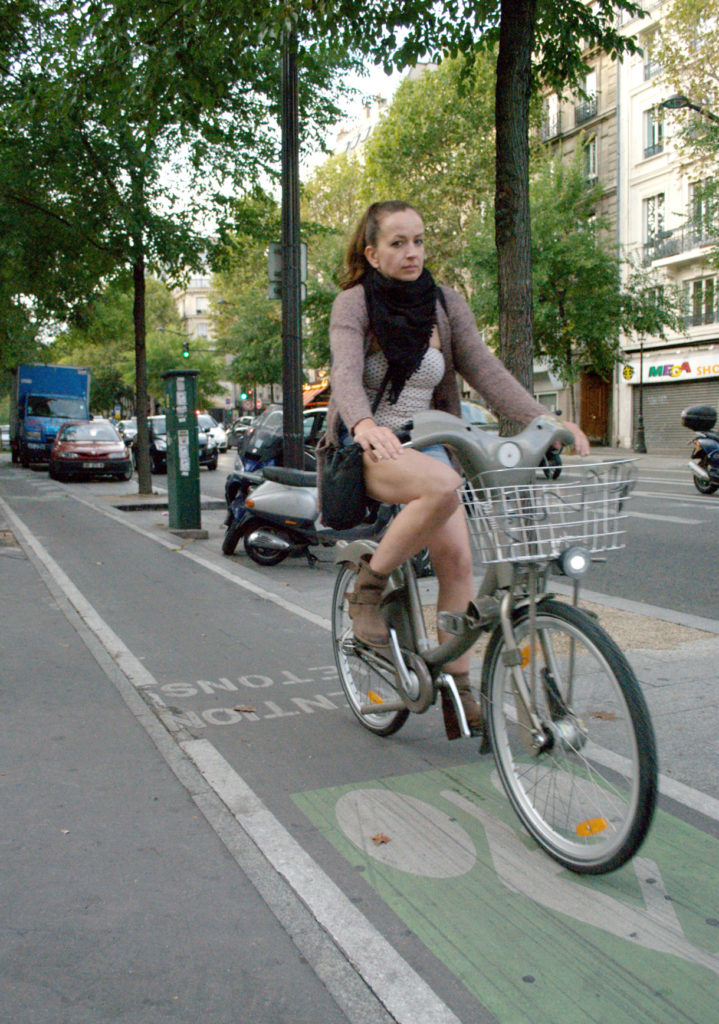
[
  {"x": 704, "y": 462},
  {"x": 276, "y": 514},
  {"x": 263, "y": 444}
]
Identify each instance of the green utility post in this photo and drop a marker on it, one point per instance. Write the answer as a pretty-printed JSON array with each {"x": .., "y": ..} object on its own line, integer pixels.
[{"x": 183, "y": 463}]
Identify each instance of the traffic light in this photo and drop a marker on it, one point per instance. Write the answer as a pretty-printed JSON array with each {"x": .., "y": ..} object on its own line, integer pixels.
[
  {"x": 185, "y": 350},
  {"x": 243, "y": 396}
]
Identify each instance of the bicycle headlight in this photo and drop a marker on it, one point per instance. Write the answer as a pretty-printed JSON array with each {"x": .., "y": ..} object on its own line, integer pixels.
[{"x": 574, "y": 562}]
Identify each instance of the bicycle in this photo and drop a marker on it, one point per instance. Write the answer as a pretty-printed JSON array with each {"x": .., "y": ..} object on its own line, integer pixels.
[{"x": 564, "y": 716}]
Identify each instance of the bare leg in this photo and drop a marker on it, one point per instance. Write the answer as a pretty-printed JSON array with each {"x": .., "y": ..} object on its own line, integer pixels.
[{"x": 426, "y": 488}]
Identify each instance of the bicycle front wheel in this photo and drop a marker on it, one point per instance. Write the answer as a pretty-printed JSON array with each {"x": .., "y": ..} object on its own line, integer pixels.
[
  {"x": 364, "y": 681},
  {"x": 588, "y": 797}
]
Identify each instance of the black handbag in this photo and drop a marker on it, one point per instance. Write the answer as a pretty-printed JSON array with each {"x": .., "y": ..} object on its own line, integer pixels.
[
  {"x": 343, "y": 496},
  {"x": 340, "y": 479}
]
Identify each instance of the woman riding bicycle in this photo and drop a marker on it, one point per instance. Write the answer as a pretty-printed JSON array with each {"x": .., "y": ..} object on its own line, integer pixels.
[{"x": 398, "y": 341}]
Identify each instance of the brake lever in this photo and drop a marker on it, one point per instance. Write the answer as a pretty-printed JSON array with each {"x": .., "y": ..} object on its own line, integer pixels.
[{"x": 551, "y": 464}]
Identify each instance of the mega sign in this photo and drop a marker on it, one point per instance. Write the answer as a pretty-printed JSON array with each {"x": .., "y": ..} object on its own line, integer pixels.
[{"x": 686, "y": 369}]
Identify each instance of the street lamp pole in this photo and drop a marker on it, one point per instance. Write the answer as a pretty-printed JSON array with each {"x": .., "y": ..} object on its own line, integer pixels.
[
  {"x": 291, "y": 296},
  {"x": 640, "y": 444}
]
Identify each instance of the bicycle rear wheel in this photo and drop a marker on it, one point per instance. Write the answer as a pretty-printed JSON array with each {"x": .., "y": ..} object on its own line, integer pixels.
[
  {"x": 364, "y": 683},
  {"x": 588, "y": 799}
]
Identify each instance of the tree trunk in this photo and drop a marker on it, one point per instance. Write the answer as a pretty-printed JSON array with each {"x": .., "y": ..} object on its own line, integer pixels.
[
  {"x": 138, "y": 315},
  {"x": 511, "y": 213}
]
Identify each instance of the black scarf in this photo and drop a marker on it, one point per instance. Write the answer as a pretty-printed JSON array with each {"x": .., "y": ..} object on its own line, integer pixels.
[{"x": 402, "y": 315}]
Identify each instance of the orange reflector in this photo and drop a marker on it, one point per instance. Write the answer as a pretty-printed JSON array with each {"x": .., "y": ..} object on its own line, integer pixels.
[
  {"x": 250, "y": 502},
  {"x": 526, "y": 656},
  {"x": 374, "y": 698},
  {"x": 592, "y": 826}
]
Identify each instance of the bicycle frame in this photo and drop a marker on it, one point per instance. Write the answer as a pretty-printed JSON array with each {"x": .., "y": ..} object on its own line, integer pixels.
[
  {"x": 408, "y": 636},
  {"x": 486, "y": 458}
]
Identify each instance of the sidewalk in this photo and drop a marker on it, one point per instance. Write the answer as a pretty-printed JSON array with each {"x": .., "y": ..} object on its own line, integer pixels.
[{"x": 111, "y": 910}]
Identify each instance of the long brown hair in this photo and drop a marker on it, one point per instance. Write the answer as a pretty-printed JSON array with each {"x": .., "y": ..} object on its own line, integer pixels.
[{"x": 366, "y": 233}]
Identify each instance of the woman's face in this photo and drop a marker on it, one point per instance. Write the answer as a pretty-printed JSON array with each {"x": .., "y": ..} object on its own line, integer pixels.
[{"x": 399, "y": 253}]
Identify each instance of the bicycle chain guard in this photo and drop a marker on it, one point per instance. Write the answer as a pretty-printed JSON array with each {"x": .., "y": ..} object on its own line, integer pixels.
[{"x": 413, "y": 678}]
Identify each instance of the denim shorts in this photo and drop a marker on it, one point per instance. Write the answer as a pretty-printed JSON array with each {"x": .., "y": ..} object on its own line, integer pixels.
[{"x": 435, "y": 451}]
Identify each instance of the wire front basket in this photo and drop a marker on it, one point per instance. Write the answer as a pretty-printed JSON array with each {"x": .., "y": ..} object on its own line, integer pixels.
[{"x": 536, "y": 521}]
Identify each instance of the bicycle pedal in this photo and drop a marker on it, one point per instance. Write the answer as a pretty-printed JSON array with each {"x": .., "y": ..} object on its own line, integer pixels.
[
  {"x": 481, "y": 612},
  {"x": 454, "y": 623}
]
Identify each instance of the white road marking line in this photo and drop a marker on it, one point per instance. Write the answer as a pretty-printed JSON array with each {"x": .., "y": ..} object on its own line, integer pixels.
[
  {"x": 404, "y": 993},
  {"x": 666, "y": 519}
]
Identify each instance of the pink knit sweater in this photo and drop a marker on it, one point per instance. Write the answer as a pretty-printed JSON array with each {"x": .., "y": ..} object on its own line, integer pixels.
[{"x": 464, "y": 353}]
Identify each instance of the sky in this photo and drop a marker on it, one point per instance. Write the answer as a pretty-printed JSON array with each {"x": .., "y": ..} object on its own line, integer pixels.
[{"x": 373, "y": 84}]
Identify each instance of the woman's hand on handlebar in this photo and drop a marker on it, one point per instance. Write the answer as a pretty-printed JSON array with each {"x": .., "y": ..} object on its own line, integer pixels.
[
  {"x": 581, "y": 442},
  {"x": 379, "y": 442}
]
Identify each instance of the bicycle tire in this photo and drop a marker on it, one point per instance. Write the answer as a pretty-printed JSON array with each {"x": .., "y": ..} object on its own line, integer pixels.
[
  {"x": 362, "y": 684},
  {"x": 589, "y": 799}
]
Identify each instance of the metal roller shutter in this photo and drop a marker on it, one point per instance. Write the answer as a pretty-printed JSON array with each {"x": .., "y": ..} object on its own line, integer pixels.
[{"x": 663, "y": 405}]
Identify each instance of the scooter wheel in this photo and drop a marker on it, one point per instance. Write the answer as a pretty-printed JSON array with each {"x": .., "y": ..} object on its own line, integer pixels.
[
  {"x": 705, "y": 486},
  {"x": 232, "y": 537},
  {"x": 263, "y": 556}
]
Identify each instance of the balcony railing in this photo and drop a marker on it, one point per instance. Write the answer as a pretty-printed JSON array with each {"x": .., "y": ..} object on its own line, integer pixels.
[
  {"x": 672, "y": 243},
  {"x": 550, "y": 128},
  {"x": 585, "y": 111},
  {"x": 656, "y": 147},
  {"x": 652, "y": 67},
  {"x": 700, "y": 317}
]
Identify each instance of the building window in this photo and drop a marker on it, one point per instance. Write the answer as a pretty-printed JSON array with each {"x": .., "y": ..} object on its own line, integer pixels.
[
  {"x": 653, "y": 132},
  {"x": 653, "y": 228},
  {"x": 200, "y": 306},
  {"x": 702, "y": 212},
  {"x": 700, "y": 296},
  {"x": 549, "y": 399},
  {"x": 201, "y": 330},
  {"x": 587, "y": 109},
  {"x": 552, "y": 124},
  {"x": 652, "y": 66},
  {"x": 590, "y": 161}
]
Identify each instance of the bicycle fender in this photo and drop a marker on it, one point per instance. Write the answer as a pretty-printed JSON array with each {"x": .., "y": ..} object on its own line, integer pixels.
[{"x": 353, "y": 551}]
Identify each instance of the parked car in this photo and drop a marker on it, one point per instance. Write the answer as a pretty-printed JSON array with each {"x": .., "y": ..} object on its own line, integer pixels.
[
  {"x": 210, "y": 426},
  {"x": 89, "y": 448},
  {"x": 128, "y": 429},
  {"x": 262, "y": 444},
  {"x": 478, "y": 416},
  {"x": 157, "y": 431},
  {"x": 238, "y": 429}
]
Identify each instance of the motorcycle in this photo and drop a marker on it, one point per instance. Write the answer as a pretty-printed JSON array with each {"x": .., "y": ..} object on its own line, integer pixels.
[
  {"x": 263, "y": 443},
  {"x": 276, "y": 514},
  {"x": 704, "y": 462}
]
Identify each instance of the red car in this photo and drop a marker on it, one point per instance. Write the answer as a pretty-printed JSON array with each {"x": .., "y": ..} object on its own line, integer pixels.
[{"x": 89, "y": 448}]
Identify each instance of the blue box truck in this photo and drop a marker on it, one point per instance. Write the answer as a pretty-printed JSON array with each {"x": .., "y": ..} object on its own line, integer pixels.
[{"x": 43, "y": 397}]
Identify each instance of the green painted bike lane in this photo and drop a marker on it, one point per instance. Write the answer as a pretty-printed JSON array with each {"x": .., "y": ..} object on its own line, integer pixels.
[{"x": 534, "y": 943}]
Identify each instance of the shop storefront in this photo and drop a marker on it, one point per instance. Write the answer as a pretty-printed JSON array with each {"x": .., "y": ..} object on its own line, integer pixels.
[{"x": 670, "y": 381}]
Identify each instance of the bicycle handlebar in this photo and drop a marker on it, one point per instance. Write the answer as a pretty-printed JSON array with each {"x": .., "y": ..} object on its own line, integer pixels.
[{"x": 481, "y": 453}]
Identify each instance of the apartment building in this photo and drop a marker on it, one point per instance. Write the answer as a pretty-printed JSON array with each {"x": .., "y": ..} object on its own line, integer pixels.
[
  {"x": 588, "y": 122},
  {"x": 193, "y": 306},
  {"x": 665, "y": 224},
  {"x": 652, "y": 198}
]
